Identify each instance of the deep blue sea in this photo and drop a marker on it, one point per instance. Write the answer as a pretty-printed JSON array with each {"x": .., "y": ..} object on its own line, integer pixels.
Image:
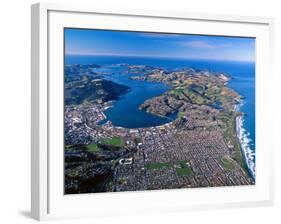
[{"x": 125, "y": 111}]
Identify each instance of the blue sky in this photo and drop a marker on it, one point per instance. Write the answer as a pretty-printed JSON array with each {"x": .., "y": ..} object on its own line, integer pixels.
[{"x": 104, "y": 42}]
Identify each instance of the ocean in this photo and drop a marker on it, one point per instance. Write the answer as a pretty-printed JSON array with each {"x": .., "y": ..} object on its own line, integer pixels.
[{"x": 125, "y": 111}]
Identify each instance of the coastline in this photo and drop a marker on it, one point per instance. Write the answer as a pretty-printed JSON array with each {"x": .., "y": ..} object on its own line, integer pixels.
[{"x": 244, "y": 140}]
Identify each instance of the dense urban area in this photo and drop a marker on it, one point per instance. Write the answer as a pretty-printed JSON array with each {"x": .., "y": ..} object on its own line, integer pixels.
[{"x": 197, "y": 148}]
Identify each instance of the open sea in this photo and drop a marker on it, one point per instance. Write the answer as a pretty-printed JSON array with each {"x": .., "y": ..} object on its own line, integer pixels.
[{"x": 125, "y": 112}]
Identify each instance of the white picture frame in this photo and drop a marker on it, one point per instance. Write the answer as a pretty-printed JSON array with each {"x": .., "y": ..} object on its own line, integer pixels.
[{"x": 47, "y": 198}]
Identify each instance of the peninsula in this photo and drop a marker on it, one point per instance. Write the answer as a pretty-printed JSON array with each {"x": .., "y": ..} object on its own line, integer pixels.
[{"x": 198, "y": 147}]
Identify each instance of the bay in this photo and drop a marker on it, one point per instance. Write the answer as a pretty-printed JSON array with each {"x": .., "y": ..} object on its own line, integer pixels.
[{"x": 125, "y": 112}]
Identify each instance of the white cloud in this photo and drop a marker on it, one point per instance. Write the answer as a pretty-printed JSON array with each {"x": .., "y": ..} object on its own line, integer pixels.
[{"x": 203, "y": 45}]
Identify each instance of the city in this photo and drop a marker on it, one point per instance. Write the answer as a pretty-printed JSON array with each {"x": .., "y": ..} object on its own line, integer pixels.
[{"x": 197, "y": 148}]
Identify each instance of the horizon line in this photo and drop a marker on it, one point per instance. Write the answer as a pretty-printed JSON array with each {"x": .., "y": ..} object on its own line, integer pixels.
[{"x": 156, "y": 56}]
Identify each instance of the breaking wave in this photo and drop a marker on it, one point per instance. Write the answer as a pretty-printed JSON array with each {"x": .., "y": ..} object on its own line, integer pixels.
[{"x": 245, "y": 142}]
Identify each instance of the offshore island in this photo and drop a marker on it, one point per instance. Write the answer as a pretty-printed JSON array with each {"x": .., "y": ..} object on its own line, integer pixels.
[{"x": 195, "y": 143}]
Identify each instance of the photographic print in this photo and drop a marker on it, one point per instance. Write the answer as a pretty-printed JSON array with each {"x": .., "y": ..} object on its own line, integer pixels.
[{"x": 153, "y": 111}]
